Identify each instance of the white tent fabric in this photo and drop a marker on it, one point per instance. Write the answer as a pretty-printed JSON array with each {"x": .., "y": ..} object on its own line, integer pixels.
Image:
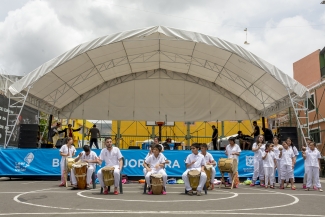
[{"x": 159, "y": 73}]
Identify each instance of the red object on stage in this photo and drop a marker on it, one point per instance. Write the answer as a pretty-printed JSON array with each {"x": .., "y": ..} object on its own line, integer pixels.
[{"x": 160, "y": 123}]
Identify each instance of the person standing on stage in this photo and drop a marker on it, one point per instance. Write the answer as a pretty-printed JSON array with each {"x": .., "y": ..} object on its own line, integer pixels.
[
  {"x": 256, "y": 132},
  {"x": 214, "y": 137},
  {"x": 68, "y": 132},
  {"x": 94, "y": 132},
  {"x": 53, "y": 135},
  {"x": 67, "y": 150},
  {"x": 89, "y": 157},
  {"x": 113, "y": 158}
]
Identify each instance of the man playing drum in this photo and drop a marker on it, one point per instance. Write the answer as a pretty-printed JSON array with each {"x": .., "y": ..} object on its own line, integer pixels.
[
  {"x": 154, "y": 164},
  {"x": 112, "y": 157},
  {"x": 89, "y": 157},
  {"x": 194, "y": 161},
  {"x": 209, "y": 160},
  {"x": 67, "y": 150}
]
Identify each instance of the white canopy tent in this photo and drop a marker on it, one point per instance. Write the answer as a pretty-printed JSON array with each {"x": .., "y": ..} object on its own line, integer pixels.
[{"x": 158, "y": 73}]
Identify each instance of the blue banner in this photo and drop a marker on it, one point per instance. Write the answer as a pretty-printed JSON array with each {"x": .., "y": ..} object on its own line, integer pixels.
[{"x": 46, "y": 162}]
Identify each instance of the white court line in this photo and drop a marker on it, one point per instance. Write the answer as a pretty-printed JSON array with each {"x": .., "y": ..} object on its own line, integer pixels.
[
  {"x": 16, "y": 198},
  {"x": 26, "y": 183},
  {"x": 163, "y": 212},
  {"x": 159, "y": 201}
]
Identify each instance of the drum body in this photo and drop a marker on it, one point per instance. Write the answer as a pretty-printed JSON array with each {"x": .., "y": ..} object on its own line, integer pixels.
[
  {"x": 108, "y": 175},
  {"x": 228, "y": 165},
  {"x": 156, "y": 183},
  {"x": 69, "y": 163},
  {"x": 208, "y": 171},
  {"x": 194, "y": 178},
  {"x": 80, "y": 171}
]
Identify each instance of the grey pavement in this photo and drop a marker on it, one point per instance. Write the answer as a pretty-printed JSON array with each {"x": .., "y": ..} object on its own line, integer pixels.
[{"x": 44, "y": 198}]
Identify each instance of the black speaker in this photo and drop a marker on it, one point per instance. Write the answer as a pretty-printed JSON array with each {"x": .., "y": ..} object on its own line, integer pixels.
[
  {"x": 44, "y": 145},
  {"x": 28, "y": 136},
  {"x": 60, "y": 142},
  {"x": 285, "y": 132},
  {"x": 134, "y": 147}
]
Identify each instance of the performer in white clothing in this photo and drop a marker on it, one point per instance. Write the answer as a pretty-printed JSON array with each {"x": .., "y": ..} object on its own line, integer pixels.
[
  {"x": 112, "y": 157},
  {"x": 195, "y": 161},
  {"x": 67, "y": 150},
  {"x": 269, "y": 163},
  {"x": 276, "y": 149},
  {"x": 209, "y": 160},
  {"x": 287, "y": 164},
  {"x": 154, "y": 164},
  {"x": 258, "y": 148},
  {"x": 233, "y": 151},
  {"x": 89, "y": 157},
  {"x": 306, "y": 148},
  {"x": 312, "y": 161},
  {"x": 149, "y": 154},
  {"x": 294, "y": 148}
]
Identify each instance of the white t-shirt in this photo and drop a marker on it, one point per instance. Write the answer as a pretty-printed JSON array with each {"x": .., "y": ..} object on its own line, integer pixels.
[
  {"x": 112, "y": 157},
  {"x": 199, "y": 161},
  {"x": 287, "y": 156},
  {"x": 208, "y": 157},
  {"x": 258, "y": 153},
  {"x": 295, "y": 151},
  {"x": 153, "y": 161},
  {"x": 230, "y": 150},
  {"x": 269, "y": 160},
  {"x": 312, "y": 158},
  {"x": 149, "y": 154},
  {"x": 65, "y": 150},
  {"x": 92, "y": 156},
  {"x": 277, "y": 151}
]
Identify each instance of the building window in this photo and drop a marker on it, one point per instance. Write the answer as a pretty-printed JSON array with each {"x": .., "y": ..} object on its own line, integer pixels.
[
  {"x": 311, "y": 102},
  {"x": 315, "y": 134}
]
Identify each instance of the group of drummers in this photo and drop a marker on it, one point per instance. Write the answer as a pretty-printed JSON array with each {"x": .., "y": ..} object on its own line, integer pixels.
[{"x": 200, "y": 166}]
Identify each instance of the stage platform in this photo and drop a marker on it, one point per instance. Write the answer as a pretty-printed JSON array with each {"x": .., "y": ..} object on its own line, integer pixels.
[{"x": 46, "y": 162}]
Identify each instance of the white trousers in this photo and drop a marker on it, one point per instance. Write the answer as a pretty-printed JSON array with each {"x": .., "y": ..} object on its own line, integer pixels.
[
  {"x": 278, "y": 168},
  {"x": 213, "y": 174},
  {"x": 90, "y": 171},
  {"x": 269, "y": 175},
  {"x": 116, "y": 177},
  {"x": 286, "y": 172},
  {"x": 313, "y": 174},
  {"x": 203, "y": 179},
  {"x": 161, "y": 171},
  {"x": 305, "y": 175},
  {"x": 258, "y": 169},
  {"x": 62, "y": 167}
]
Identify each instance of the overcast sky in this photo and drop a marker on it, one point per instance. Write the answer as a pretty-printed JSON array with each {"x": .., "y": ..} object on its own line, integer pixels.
[{"x": 279, "y": 31}]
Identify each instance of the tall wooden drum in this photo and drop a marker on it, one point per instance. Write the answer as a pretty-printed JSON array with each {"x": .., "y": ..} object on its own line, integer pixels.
[{"x": 227, "y": 165}]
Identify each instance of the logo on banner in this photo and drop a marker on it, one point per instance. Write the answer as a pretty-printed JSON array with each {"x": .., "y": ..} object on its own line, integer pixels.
[
  {"x": 250, "y": 161},
  {"x": 21, "y": 166}
]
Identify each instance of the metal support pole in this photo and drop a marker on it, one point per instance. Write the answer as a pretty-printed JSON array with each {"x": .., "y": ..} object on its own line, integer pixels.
[
  {"x": 222, "y": 129},
  {"x": 118, "y": 135},
  {"x": 188, "y": 134},
  {"x": 153, "y": 132},
  {"x": 290, "y": 119},
  {"x": 263, "y": 122},
  {"x": 83, "y": 132}
]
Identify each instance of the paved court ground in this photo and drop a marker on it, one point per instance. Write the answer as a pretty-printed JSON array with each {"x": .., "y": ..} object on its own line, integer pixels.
[{"x": 44, "y": 198}]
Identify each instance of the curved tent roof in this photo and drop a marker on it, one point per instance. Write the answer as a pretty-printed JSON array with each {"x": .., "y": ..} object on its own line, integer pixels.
[{"x": 159, "y": 73}]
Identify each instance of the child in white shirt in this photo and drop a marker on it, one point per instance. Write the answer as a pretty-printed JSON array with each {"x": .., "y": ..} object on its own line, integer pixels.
[
  {"x": 67, "y": 150},
  {"x": 276, "y": 149},
  {"x": 269, "y": 163},
  {"x": 232, "y": 151},
  {"x": 312, "y": 162},
  {"x": 258, "y": 148},
  {"x": 195, "y": 161},
  {"x": 154, "y": 164},
  {"x": 288, "y": 162}
]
